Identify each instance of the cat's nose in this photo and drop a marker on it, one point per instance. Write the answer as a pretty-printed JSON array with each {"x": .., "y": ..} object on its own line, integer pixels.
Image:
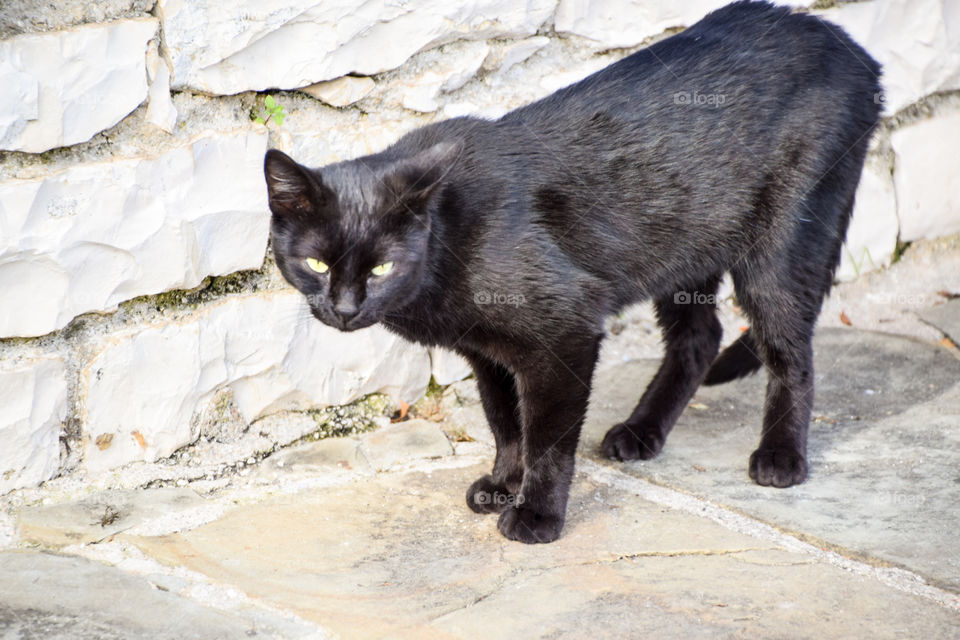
[{"x": 347, "y": 306}]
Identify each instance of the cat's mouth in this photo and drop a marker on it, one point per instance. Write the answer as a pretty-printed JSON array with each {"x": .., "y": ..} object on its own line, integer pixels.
[
  {"x": 356, "y": 322},
  {"x": 343, "y": 323}
]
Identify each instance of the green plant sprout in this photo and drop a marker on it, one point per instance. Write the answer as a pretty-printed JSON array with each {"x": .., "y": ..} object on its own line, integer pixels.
[
  {"x": 274, "y": 111},
  {"x": 864, "y": 258}
]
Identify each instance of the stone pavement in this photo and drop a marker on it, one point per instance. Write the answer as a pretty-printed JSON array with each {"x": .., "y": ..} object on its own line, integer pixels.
[{"x": 369, "y": 536}]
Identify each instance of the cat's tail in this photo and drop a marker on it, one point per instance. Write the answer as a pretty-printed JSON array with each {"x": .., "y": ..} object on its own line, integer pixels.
[{"x": 738, "y": 360}]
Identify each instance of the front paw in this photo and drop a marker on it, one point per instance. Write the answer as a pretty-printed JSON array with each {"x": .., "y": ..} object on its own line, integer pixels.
[
  {"x": 529, "y": 526},
  {"x": 627, "y": 441},
  {"x": 777, "y": 467},
  {"x": 486, "y": 496}
]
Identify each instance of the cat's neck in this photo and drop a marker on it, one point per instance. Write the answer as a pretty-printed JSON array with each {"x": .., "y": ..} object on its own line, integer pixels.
[{"x": 425, "y": 316}]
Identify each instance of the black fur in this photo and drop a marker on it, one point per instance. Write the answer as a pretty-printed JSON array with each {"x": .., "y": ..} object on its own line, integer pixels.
[
  {"x": 735, "y": 146},
  {"x": 738, "y": 360}
]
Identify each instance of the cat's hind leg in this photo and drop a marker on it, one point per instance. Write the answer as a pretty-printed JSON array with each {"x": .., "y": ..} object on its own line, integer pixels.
[
  {"x": 782, "y": 295},
  {"x": 692, "y": 335},
  {"x": 782, "y": 326},
  {"x": 495, "y": 492},
  {"x": 781, "y": 289}
]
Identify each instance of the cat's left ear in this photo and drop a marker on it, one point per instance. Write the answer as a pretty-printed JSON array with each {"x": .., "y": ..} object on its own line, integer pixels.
[
  {"x": 291, "y": 188},
  {"x": 413, "y": 180}
]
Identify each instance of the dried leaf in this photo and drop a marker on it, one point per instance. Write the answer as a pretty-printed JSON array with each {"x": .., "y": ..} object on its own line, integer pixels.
[
  {"x": 699, "y": 468},
  {"x": 949, "y": 295},
  {"x": 744, "y": 328},
  {"x": 948, "y": 343},
  {"x": 104, "y": 440},
  {"x": 140, "y": 439},
  {"x": 845, "y": 319}
]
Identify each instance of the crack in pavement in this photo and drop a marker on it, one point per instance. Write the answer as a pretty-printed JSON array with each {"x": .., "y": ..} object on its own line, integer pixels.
[{"x": 896, "y": 578}]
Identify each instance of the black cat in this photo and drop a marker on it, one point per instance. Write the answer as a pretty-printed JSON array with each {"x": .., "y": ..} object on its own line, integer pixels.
[{"x": 734, "y": 146}]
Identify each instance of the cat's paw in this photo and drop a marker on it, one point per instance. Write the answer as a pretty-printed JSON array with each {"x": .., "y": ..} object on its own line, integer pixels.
[
  {"x": 528, "y": 526},
  {"x": 626, "y": 441},
  {"x": 777, "y": 467},
  {"x": 486, "y": 496}
]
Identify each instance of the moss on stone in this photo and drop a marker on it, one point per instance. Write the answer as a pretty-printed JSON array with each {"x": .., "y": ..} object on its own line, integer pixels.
[
  {"x": 18, "y": 342},
  {"x": 434, "y": 389},
  {"x": 351, "y": 419},
  {"x": 212, "y": 288}
]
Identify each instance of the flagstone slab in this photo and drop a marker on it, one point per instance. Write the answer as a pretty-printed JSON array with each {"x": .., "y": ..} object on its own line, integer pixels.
[
  {"x": 884, "y": 449},
  {"x": 69, "y": 598},
  {"x": 945, "y": 317},
  {"x": 400, "y": 555},
  {"x": 403, "y": 442},
  {"x": 102, "y": 515}
]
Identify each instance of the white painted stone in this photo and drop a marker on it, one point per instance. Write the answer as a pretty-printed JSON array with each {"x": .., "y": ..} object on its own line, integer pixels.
[
  {"x": 916, "y": 41},
  {"x": 578, "y": 72},
  {"x": 341, "y": 92},
  {"x": 33, "y": 405},
  {"x": 447, "y": 366},
  {"x": 160, "y": 109},
  {"x": 927, "y": 177},
  {"x": 872, "y": 236},
  {"x": 514, "y": 53},
  {"x": 144, "y": 388},
  {"x": 460, "y": 63},
  {"x": 63, "y": 87},
  {"x": 449, "y": 70},
  {"x": 422, "y": 93},
  {"x": 97, "y": 234},
  {"x": 625, "y": 23},
  {"x": 226, "y": 48}
]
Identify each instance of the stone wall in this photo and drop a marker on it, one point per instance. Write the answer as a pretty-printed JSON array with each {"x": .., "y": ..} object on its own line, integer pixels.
[{"x": 137, "y": 296}]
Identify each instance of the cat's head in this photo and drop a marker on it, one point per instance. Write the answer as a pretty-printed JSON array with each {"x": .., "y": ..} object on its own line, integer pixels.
[{"x": 353, "y": 236}]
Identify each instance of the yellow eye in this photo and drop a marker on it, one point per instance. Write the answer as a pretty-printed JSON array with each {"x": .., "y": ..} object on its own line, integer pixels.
[
  {"x": 382, "y": 269},
  {"x": 316, "y": 265}
]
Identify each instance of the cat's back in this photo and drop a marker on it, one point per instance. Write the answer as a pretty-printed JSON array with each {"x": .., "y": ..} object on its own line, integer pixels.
[
  {"x": 748, "y": 59},
  {"x": 671, "y": 146}
]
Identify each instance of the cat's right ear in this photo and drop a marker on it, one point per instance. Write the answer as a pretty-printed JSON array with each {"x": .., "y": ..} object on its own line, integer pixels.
[{"x": 291, "y": 188}]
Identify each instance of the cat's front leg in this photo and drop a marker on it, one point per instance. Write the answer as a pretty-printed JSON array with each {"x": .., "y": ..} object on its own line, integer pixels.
[
  {"x": 497, "y": 491},
  {"x": 554, "y": 389}
]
